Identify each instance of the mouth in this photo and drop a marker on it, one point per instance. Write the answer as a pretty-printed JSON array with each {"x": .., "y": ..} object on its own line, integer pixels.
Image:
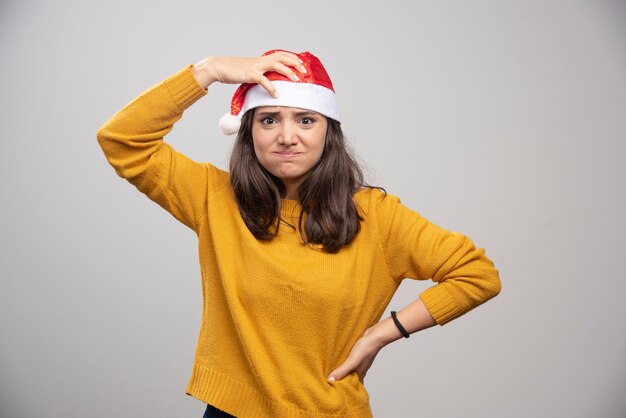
[{"x": 287, "y": 154}]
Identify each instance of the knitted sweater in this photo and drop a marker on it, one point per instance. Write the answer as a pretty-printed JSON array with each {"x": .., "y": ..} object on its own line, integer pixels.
[{"x": 279, "y": 316}]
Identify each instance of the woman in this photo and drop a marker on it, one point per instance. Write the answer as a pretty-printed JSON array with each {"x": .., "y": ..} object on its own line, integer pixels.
[{"x": 299, "y": 258}]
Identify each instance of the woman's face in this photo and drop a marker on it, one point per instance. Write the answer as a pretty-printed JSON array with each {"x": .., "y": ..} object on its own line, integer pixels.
[{"x": 288, "y": 141}]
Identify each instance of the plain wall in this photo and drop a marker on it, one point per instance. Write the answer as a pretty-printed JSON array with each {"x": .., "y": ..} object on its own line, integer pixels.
[{"x": 504, "y": 120}]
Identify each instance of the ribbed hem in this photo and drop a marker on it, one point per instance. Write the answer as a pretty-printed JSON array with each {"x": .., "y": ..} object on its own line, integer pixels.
[
  {"x": 242, "y": 401},
  {"x": 440, "y": 304},
  {"x": 184, "y": 88},
  {"x": 227, "y": 394}
]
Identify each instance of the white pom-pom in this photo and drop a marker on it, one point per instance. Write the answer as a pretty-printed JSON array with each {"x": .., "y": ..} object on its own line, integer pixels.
[{"x": 229, "y": 124}]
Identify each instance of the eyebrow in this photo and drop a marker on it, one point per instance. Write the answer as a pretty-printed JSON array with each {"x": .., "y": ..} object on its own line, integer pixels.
[{"x": 296, "y": 114}]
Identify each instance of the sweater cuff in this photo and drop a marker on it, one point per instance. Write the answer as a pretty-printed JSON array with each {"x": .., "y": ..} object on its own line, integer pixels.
[
  {"x": 184, "y": 88},
  {"x": 440, "y": 304}
]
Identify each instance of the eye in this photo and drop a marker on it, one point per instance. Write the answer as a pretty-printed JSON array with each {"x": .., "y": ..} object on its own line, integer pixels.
[
  {"x": 268, "y": 121},
  {"x": 307, "y": 120}
]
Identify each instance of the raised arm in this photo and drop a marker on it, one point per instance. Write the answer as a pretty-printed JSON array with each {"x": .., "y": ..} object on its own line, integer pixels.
[{"x": 132, "y": 140}]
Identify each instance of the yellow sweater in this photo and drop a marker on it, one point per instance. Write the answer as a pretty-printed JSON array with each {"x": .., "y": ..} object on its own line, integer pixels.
[{"x": 279, "y": 316}]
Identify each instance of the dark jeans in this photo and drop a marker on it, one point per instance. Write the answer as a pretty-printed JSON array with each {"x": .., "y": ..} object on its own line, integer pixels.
[{"x": 213, "y": 412}]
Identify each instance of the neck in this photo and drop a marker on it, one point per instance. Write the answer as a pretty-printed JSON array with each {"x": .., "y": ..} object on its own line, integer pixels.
[{"x": 291, "y": 189}]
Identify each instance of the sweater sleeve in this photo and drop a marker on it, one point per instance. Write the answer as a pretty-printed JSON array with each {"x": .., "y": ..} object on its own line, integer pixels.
[
  {"x": 418, "y": 249},
  {"x": 132, "y": 141}
]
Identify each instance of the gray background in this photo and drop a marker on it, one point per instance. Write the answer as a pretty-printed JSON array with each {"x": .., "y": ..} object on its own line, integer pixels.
[{"x": 504, "y": 120}]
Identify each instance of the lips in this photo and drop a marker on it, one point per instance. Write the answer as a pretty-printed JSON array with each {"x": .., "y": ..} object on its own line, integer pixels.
[{"x": 287, "y": 154}]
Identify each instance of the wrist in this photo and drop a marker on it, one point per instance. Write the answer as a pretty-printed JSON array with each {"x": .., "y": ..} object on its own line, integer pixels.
[
  {"x": 383, "y": 333},
  {"x": 202, "y": 71}
]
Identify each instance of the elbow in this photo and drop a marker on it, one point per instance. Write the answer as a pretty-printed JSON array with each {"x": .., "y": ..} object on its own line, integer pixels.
[
  {"x": 108, "y": 147},
  {"x": 101, "y": 135},
  {"x": 106, "y": 138},
  {"x": 495, "y": 285},
  {"x": 488, "y": 285}
]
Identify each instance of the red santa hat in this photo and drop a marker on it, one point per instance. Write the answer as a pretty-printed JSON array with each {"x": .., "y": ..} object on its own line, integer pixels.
[{"x": 314, "y": 92}]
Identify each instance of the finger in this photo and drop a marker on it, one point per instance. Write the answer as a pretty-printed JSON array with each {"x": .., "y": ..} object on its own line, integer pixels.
[
  {"x": 267, "y": 85},
  {"x": 342, "y": 371},
  {"x": 298, "y": 64},
  {"x": 286, "y": 71},
  {"x": 289, "y": 59}
]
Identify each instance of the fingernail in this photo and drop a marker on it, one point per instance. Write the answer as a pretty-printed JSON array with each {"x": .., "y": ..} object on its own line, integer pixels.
[
  {"x": 302, "y": 69},
  {"x": 331, "y": 379},
  {"x": 296, "y": 78},
  {"x": 275, "y": 94}
]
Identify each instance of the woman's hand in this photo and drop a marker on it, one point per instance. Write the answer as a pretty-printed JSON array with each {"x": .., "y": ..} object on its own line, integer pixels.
[
  {"x": 361, "y": 357},
  {"x": 236, "y": 70},
  {"x": 414, "y": 317}
]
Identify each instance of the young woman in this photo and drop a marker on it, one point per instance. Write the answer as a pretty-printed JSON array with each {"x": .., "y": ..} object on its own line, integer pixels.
[{"x": 299, "y": 258}]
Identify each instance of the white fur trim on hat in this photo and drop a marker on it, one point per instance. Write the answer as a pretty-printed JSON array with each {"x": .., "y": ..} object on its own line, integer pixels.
[{"x": 303, "y": 95}]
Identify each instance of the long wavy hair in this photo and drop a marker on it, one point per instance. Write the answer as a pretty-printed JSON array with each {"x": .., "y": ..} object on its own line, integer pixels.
[{"x": 326, "y": 194}]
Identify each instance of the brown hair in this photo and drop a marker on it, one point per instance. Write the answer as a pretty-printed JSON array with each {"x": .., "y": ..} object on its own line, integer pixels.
[{"x": 326, "y": 194}]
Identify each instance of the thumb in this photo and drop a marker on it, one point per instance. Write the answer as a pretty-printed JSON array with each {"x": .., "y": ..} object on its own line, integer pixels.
[{"x": 341, "y": 371}]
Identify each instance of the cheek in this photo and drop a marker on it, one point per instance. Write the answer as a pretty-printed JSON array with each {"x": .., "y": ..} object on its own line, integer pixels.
[
  {"x": 318, "y": 153},
  {"x": 260, "y": 156},
  {"x": 319, "y": 144},
  {"x": 259, "y": 144}
]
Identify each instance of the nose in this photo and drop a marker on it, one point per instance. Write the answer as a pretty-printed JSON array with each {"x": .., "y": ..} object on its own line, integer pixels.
[{"x": 288, "y": 134}]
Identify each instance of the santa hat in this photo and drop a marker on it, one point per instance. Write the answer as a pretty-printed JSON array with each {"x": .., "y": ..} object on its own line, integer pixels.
[{"x": 313, "y": 92}]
